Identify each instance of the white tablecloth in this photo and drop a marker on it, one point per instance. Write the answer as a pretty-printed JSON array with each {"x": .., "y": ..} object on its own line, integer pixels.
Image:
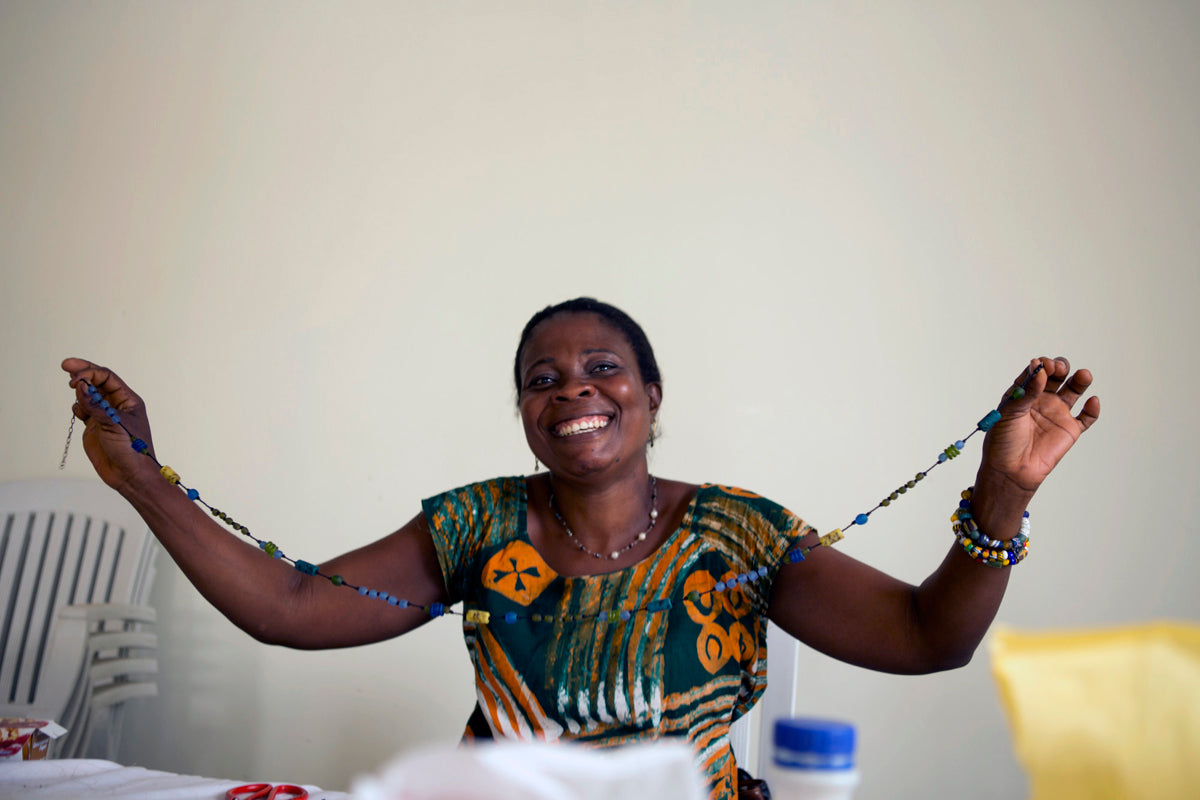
[{"x": 75, "y": 779}]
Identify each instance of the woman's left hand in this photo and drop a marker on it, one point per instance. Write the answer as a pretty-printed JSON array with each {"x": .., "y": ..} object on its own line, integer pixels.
[{"x": 1037, "y": 430}]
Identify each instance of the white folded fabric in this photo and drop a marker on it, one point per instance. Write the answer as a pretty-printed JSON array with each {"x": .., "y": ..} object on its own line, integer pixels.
[{"x": 513, "y": 771}]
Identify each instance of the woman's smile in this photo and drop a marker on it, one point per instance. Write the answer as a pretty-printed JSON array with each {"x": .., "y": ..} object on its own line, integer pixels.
[{"x": 574, "y": 427}]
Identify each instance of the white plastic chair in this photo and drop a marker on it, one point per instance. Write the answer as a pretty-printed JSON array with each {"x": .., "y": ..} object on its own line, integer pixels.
[
  {"x": 753, "y": 733},
  {"x": 76, "y": 569}
]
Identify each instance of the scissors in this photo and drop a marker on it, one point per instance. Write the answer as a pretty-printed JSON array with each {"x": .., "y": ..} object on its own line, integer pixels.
[{"x": 265, "y": 791}]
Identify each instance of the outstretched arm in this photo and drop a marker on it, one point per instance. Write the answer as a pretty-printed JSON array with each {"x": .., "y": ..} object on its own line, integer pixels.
[
  {"x": 858, "y": 614},
  {"x": 265, "y": 597}
]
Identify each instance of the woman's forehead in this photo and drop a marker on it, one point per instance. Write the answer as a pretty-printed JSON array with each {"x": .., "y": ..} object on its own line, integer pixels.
[{"x": 575, "y": 329}]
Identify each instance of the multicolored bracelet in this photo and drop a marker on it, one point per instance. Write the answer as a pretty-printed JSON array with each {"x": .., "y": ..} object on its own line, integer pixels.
[{"x": 993, "y": 552}]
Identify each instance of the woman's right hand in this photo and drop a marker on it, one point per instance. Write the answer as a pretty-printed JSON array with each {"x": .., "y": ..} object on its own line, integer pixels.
[{"x": 107, "y": 444}]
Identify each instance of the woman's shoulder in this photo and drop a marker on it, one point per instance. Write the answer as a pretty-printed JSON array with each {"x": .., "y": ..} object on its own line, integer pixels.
[
  {"x": 479, "y": 498},
  {"x": 728, "y": 502}
]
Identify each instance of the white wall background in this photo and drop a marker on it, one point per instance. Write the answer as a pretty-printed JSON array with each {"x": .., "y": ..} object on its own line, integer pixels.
[{"x": 309, "y": 233}]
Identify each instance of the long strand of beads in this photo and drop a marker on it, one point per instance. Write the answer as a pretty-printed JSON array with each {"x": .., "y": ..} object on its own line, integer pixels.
[
  {"x": 798, "y": 553},
  {"x": 479, "y": 616}
]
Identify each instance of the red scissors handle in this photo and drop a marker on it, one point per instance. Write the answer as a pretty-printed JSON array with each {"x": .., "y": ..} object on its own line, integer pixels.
[{"x": 265, "y": 791}]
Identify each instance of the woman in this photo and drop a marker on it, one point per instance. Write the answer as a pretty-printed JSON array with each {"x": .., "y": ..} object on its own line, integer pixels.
[{"x": 600, "y": 603}]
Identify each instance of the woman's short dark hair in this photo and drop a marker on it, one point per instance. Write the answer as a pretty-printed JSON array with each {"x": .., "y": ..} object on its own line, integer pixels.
[{"x": 633, "y": 333}]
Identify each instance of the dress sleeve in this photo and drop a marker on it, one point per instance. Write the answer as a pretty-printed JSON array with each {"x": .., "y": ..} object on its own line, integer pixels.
[{"x": 462, "y": 521}]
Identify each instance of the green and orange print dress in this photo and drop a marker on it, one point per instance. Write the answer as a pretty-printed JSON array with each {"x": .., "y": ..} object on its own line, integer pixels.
[{"x": 557, "y": 659}]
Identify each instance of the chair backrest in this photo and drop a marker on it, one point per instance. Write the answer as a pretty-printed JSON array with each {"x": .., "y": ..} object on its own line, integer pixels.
[
  {"x": 751, "y": 736},
  {"x": 1104, "y": 713},
  {"x": 62, "y": 542}
]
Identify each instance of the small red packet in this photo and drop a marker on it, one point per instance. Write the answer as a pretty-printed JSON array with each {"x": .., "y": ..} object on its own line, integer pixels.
[{"x": 27, "y": 739}]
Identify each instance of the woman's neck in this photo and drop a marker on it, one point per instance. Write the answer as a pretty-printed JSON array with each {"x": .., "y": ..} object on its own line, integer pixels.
[{"x": 604, "y": 516}]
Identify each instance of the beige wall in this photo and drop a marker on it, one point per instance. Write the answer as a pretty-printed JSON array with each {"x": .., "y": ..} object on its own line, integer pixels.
[{"x": 309, "y": 234}]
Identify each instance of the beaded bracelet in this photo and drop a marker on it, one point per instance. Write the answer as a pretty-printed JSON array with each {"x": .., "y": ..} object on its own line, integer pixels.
[
  {"x": 479, "y": 616},
  {"x": 993, "y": 552}
]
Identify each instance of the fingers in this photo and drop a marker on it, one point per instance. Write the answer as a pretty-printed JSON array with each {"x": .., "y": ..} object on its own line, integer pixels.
[
  {"x": 107, "y": 382},
  {"x": 1053, "y": 376},
  {"x": 1090, "y": 412}
]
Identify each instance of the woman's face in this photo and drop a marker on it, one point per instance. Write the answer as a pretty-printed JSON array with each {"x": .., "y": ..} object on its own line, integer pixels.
[{"x": 582, "y": 399}]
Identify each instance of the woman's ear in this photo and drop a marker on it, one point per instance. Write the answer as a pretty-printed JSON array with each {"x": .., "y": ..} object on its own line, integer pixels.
[{"x": 654, "y": 392}]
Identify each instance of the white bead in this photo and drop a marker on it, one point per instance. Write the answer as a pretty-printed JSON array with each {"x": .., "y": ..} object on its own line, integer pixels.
[
  {"x": 641, "y": 537},
  {"x": 614, "y": 555}
]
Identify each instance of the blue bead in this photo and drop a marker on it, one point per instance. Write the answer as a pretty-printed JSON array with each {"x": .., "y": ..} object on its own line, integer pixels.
[
  {"x": 392, "y": 600},
  {"x": 960, "y": 444},
  {"x": 943, "y": 458},
  {"x": 384, "y": 596},
  {"x": 861, "y": 519},
  {"x": 139, "y": 445},
  {"x": 193, "y": 495},
  {"x": 437, "y": 609},
  {"x": 115, "y": 417},
  {"x": 373, "y": 594},
  {"x": 306, "y": 568},
  {"x": 795, "y": 556},
  {"x": 762, "y": 571},
  {"x": 626, "y": 615},
  {"x": 363, "y": 590},
  {"x": 743, "y": 578},
  {"x": 988, "y": 422},
  {"x": 510, "y": 617},
  {"x": 277, "y": 554},
  {"x": 105, "y": 405},
  {"x": 720, "y": 587},
  {"x": 402, "y": 603}
]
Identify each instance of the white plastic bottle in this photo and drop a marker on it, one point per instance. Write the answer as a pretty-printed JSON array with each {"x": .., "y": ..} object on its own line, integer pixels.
[{"x": 813, "y": 759}]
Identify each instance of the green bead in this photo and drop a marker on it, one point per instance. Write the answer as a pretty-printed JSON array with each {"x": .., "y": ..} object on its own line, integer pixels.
[
  {"x": 336, "y": 580},
  {"x": 614, "y": 616},
  {"x": 1018, "y": 393}
]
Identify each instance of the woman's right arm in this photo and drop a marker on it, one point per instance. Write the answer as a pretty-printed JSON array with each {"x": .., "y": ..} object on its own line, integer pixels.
[{"x": 268, "y": 598}]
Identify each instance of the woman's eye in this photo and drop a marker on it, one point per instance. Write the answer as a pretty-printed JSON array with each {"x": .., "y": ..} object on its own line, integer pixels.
[
  {"x": 540, "y": 380},
  {"x": 603, "y": 366}
]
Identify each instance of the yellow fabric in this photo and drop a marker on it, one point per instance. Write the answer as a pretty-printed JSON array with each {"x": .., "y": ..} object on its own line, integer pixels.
[{"x": 1104, "y": 714}]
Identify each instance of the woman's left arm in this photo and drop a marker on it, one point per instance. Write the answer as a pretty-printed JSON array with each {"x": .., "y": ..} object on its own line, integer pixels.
[{"x": 856, "y": 613}]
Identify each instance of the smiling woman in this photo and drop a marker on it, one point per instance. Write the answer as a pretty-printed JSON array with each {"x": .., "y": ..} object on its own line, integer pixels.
[{"x": 600, "y": 603}]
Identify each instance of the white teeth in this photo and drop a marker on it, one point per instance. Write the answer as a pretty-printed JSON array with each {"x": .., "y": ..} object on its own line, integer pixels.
[{"x": 581, "y": 426}]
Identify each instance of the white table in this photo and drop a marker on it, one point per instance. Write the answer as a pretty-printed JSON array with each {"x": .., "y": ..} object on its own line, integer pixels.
[{"x": 74, "y": 779}]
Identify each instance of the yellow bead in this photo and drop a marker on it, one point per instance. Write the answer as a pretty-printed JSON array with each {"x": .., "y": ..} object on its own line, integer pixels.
[
  {"x": 833, "y": 536},
  {"x": 477, "y": 615},
  {"x": 170, "y": 474}
]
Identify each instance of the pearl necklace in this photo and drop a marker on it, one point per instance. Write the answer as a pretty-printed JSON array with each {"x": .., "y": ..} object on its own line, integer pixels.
[{"x": 615, "y": 554}]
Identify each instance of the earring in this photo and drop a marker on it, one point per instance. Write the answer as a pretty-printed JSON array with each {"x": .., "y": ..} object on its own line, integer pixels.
[
  {"x": 654, "y": 431},
  {"x": 536, "y": 465}
]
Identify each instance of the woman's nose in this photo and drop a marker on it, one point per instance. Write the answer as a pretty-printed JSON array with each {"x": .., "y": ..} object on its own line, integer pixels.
[{"x": 574, "y": 389}]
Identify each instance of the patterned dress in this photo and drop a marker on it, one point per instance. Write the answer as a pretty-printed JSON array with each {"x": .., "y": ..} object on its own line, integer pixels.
[{"x": 675, "y": 645}]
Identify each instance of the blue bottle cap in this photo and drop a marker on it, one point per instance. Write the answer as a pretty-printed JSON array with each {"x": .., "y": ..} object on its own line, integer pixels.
[{"x": 814, "y": 744}]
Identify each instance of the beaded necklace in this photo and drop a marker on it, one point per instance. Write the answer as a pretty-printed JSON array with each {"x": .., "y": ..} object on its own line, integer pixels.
[
  {"x": 479, "y": 616},
  {"x": 615, "y": 554}
]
